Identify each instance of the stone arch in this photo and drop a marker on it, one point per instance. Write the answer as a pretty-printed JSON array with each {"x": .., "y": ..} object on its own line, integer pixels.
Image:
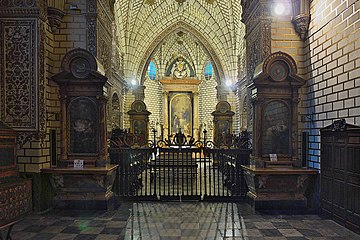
[{"x": 218, "y": 68}]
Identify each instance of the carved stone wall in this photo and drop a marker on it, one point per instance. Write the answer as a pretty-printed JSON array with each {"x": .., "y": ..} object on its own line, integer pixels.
[
  {"x": 256, "y": 16},
  {"x": 26, "y": 61},
  {"x": 104, "y": 33},
  {"x": 19, "y": 80},
  {"x": 91, "y": 24}
]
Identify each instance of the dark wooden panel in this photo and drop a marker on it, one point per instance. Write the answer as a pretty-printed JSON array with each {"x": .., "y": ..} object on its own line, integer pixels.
[
  {"x": 340, "y": 174},
  {"x": 7, "y": 156}
]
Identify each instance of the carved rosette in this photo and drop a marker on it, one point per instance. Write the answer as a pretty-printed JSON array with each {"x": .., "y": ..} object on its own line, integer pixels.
[{"x": 301, "y": 24}]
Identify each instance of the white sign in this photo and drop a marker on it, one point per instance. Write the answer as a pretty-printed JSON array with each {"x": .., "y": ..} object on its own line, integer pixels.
[
  {"x": 273, "y": 157},
  {"x": 78, "y": 163}
]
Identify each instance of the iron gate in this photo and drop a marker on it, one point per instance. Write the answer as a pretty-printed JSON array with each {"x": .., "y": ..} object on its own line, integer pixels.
[{"x": 179, "y": 168}]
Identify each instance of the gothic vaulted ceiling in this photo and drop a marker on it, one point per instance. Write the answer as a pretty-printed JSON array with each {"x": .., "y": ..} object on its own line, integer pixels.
[{"x": 144, "y": 27}]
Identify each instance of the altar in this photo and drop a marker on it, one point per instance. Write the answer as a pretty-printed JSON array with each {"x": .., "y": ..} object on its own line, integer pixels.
[
  {"x": 181, "y": 99},
  {"x": 276, "y": 179}
]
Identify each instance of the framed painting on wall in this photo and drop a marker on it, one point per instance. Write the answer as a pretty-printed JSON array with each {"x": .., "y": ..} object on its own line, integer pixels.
[
  {"x": 276, "y": 134},
  {"x": 181, "y": 113},
  {"x": 83, "y": 124}
]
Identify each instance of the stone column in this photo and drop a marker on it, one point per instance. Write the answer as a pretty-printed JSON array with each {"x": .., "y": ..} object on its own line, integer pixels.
[
  {"x": 64, "y": 121},
  {"x": 103, "y": 154},
  {"x": 257, "y": 102},
  {"x": 196, "y": 115},
  {"x": 166, "y": 114}
]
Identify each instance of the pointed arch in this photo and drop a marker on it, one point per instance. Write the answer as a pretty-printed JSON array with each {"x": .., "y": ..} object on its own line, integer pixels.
[{"x": 183, "y": 26}]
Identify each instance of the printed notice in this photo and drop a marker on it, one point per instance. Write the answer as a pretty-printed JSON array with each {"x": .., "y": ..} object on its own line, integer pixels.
[
  {"x": 273, "y": 157},
  {"x": 78, "y": 163}
]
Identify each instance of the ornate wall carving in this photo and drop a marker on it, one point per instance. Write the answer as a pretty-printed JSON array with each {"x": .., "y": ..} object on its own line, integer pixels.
[
  {"x": 19, "y": 80},
  {"x": 256, "y": 16},
  {"x": 265, "y": 36},
  {"x": 18, "y": 3},
  {"x": 91, "y": 27},
  {"x": 26, "y": 8},
  {"x": 253, "y": 51},
  {"x": 104, "y": 55},
  {"x": 42, "y": 84}
]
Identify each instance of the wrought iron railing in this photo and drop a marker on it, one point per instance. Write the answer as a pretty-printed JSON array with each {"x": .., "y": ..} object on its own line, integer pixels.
[{"x": 179, "y": 167}]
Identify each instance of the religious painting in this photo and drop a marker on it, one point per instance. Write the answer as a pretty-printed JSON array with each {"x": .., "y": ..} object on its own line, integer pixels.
[
  {"x": 222, "y": 131},
  {"x": 276, "y": 128},
  {"x": 181, "y": 113},
  {"x": 83, "y": 126},
  {"x": 140, "y": 128}
]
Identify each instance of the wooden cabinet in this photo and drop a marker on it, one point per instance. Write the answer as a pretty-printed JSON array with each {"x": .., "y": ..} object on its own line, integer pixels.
[{"x": 340, "y": 174}]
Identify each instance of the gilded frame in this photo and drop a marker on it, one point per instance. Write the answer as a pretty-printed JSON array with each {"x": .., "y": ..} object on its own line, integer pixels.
[{"x": 181, "y": 113}]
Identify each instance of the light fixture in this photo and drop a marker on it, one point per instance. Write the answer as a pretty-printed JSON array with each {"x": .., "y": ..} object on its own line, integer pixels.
[
  {"x": 228, "y": 83},
  {"x": 133, "y": 82},
  {"x": 279, "y": 9}
]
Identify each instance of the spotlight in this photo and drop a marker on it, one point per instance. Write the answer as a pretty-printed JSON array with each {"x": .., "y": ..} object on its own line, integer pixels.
[
  {"x": 228, "y": 83},
  {"x": 133, "y": 82},
  {"x": 279, "y": 9}
]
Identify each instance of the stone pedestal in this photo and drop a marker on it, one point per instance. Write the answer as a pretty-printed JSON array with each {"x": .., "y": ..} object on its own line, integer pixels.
[
  {"x": 88, "y": 188},
  {"x": 278, "y": 188}
]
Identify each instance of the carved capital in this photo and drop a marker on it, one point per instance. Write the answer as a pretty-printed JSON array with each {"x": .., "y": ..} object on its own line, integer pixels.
[
  {"x": 55, "y": 16},
  {"x": 301, "y": 24}
]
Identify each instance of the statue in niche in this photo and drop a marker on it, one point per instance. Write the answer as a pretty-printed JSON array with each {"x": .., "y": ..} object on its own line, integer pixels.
[{"x": 180, "y": 70}]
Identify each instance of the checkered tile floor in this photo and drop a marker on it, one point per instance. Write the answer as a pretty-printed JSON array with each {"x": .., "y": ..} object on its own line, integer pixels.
[{"x": 175, "y": 220}]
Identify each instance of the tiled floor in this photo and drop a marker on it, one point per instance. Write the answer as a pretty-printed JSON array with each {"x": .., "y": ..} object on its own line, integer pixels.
[{"x": 178, "y": 220}]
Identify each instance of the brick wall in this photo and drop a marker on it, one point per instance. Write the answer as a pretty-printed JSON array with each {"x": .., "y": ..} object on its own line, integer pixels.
[
  {"x": 207, "y": 104},
  {"x": 284, "y": 38},
  {"x": 333, "y": 68},
  {"x": 154, "y": 103}
]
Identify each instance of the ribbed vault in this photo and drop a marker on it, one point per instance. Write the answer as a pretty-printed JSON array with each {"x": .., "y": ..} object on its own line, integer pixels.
[{"x": 145, "y": 26}]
